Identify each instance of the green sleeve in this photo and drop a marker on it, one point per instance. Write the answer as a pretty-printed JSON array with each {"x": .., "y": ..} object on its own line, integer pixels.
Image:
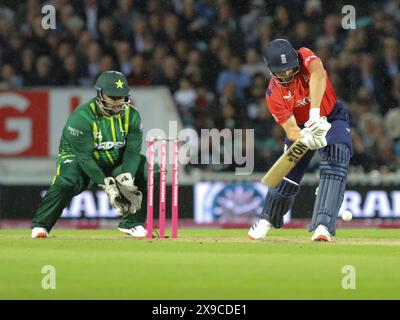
[
  {"x": 80, "y": 136},
  {"x": 133, "y": 148}
]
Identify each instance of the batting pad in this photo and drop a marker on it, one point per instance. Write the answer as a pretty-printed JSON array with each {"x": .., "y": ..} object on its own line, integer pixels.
[
  {"x": 278, "y": 202},
  {"x": 333, "y": 174}
]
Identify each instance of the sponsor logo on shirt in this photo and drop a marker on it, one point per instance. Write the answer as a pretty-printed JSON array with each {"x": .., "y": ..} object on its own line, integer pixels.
[
  {"x": 74, "y": 132},
  {"x": 107, "y": 145},
  {"x": 307, "y": 60},
  {"x": 289, "y": 96},
  {"x": 303, "y": 102}
]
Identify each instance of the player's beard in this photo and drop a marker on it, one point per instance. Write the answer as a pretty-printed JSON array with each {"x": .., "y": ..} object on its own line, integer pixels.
[
  {"x": 108, "y": 109},
  {"x": 286, "y": 80}
]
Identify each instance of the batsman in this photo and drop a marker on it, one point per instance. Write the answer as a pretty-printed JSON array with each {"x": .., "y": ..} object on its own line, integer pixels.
[
  {"x": 100, "y": 147},
  {"x": 303, "y": 101}
]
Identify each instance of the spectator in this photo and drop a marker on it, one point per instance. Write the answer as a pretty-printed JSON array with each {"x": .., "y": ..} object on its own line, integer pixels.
[
  {"x": 139, "y": 75},
  {"x": 181, "y": 52},
  {"x": 75, "y": 26},
  {"x": 69, "y": 75},
  {"x": 91, "y": 14},
  {"x": 28, "y": 66},
  {"x": 225, "y": 19},
  {"x": 254, "y": 64},
  {"x": 281, "y": 21},
  {"x": 193, "y": 68},
  {"x": 233, "y": 113},
  {"x": 171, "y": 30},
  {"x": 386, "y": 70},
  {"x": 106, "y": 63},
  {"x": 43, "y": 73},
  {"x": 264, "y": 35},
  {"x": 249, "y": 22},
  {"x": 9, "y": 79},
  {"x": 392, "y": 121},
  {"x": 106, "y": 34},
  {"x": 331, "y": 36},
  {"x": 367, "y": 76},
  {"x": 214, "y": 49},
  {"x": 123, "y": 54},
  {"x": 185, "y": 97},
  {"x": 194, "y": 27},
  {"x": 92, "y": 61},
  {"x": 302, "y": 36},
  {"x": 123, "y": 16},
  {"x": 214, "y": 66},
  {"x": 386, "y": 159},
  {"x": 396, "y": 90},
  {"x": 170, "y": 74},
  {"x": 234, "y": 74}
]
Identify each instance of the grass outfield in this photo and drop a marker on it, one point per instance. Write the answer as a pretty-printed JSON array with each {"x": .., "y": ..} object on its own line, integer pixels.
[{"x": 202, "y": 264}]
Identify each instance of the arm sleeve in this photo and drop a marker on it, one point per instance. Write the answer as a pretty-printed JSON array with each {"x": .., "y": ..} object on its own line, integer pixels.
[
  {"x": 134, "y": 141},
  {"x": 307, "y": 56},
  {"x": 80, "y": 137},
  {"x": 278, "y": 110}
]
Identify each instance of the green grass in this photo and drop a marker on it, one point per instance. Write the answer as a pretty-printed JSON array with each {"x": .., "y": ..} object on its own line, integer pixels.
[{"x": 201, "y": 264}]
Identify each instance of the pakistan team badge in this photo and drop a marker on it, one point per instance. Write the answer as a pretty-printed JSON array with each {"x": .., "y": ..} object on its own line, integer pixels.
[{"x": 119, "y": 84}]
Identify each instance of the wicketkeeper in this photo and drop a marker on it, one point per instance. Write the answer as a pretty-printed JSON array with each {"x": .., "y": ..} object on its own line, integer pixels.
[
  {"x": 100, "y": 146},
  {"x": 303, "y": 101}
]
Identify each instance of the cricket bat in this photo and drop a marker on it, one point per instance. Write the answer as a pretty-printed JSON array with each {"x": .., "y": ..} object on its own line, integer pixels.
[{"x": 284, "y": 164}]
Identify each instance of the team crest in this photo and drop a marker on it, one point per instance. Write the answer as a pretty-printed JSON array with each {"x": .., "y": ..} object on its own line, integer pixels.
[{"x": 119, "y": 84}]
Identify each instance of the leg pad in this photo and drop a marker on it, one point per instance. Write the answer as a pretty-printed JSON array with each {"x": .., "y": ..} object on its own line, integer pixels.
[{"x": 279, "y": 201}]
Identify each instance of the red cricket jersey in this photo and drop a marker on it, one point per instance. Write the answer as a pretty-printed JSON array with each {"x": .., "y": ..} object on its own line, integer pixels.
[{"x": 283, "y": 101}]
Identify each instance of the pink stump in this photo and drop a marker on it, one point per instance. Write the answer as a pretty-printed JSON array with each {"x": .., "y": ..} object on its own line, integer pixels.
[
  {"x": 150, "y": 188},
  {"x": 163, "y": 188},
  {"x": 175, "y": 187}
]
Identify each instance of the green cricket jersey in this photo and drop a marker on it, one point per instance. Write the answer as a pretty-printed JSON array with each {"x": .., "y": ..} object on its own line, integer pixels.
[{"x": 99, "y": 142}]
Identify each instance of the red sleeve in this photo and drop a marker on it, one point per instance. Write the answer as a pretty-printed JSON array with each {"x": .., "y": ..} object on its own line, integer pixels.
[
  {"x": 277, "y": 108},
  {"x": 306, "y": 56}
]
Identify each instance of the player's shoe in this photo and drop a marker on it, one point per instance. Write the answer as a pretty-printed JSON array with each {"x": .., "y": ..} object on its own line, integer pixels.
[
  {"x": 137, "y": 232},
  {"x": 38, "y": 232},
  {"x": 321, "y": 234},
  {"x": 259, "y": 230}
]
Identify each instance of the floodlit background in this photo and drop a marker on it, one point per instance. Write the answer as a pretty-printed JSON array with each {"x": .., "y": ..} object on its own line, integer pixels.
[{"x": 196, "y": 64}]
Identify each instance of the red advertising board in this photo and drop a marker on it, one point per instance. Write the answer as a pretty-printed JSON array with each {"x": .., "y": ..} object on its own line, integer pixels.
[{"x": 24, "y": 126}]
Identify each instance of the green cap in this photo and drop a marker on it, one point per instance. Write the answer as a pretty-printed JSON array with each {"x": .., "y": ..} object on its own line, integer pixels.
[{"x": 113, "y": 84}]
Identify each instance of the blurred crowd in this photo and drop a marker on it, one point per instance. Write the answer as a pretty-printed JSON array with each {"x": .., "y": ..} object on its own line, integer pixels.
[{"x": 209, "y": 53}]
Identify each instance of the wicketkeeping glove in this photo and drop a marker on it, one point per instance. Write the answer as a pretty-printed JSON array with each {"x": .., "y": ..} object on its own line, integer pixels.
[
  {"x": 126, "y": 185},
  {"x": 110, "y": 187}
]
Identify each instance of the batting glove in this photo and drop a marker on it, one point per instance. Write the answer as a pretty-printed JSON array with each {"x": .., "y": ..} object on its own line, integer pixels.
[
  {"x": 314, "y": 133},
  {"x": 319, "y": 127}
]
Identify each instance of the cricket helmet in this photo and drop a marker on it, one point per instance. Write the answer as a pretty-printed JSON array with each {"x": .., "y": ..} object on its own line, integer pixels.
[
  {"x": 113, "y": 84},
  {"x": 280, "y": 56}
]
